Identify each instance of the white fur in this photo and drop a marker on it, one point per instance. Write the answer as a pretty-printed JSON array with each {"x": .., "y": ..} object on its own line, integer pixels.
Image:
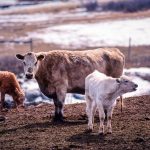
[{"x": 101, "y": 92}]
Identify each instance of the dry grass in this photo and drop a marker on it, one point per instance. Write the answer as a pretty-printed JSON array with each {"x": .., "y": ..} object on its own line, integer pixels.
[
  {"x": 140, "y": 55},
  {"x": 50, "y": 7}
]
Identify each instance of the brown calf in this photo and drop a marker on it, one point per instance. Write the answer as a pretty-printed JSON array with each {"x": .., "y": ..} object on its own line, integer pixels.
[{"x": 9, "y": 85}]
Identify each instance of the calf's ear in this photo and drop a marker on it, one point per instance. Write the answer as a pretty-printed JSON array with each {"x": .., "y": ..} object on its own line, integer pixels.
[
  {"x": 19, "y": 56},
  {"x": 40, "y": 57},
  {"x": 118, "y": 80}
]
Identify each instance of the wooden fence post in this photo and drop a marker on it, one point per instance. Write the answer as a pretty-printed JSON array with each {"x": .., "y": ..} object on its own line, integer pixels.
[
  {"x": 31, "y": 45},
  {"x": 30, "y": 42},
  {"x": 129, "y": 49}
]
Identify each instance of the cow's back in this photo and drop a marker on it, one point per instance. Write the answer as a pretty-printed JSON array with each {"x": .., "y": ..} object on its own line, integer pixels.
[{"x": 72, "y": 67}]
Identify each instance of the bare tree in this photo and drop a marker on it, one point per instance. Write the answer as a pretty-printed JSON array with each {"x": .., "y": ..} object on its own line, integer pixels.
[{"x": 90, "y": 5}]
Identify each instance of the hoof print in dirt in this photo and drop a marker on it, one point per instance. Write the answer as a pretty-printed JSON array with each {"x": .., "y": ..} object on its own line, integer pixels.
[
  {"x": 139, "y": 140},
  {"x": 75, "y": 146},
  {"x": 147, "y": 118},
  {"x": 2, "y": 118}
]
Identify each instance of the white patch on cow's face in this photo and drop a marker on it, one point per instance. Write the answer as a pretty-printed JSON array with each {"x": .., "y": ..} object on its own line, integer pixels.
[
  {"x": 126, "y": 85},
  {"x": 30, "y": 65},
  {"x": 30, "y": 62}
]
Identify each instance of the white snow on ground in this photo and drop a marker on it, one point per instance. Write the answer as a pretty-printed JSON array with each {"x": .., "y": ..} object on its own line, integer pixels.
[
  {"x": 108, "y": 33},
  {"x": 50, "y": 17},
  {"x": 141, "y": 72},
  {"x": 30, "y": 85},
  {"x": 23, "y": 18},
  {"x": 35, "y": 97},
  {"x": 143, "y": 86},
  {"x": 140, "y": 76},
  {"x": 7, "y": 1}
]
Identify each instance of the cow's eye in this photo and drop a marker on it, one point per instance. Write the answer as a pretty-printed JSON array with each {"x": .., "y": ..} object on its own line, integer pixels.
[
  {"x": 126, "y": 81},
  {"x": 35, "y": 63}
]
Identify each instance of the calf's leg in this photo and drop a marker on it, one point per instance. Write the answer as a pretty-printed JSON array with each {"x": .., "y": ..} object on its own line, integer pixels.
[
  {"x": 101, "y": 117},
  {"x": 91, "y": 107},
  {"x": 109, "y": 117}
]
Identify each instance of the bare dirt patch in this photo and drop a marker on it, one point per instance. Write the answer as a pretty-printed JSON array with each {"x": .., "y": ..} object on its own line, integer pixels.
[{"x": 34, "y": 129}]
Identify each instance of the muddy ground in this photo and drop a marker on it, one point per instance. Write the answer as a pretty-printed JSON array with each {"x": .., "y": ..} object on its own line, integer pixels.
[{"x": 33, "y": 129}]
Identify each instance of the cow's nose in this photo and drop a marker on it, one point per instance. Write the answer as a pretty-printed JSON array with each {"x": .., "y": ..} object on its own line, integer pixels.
[{"x": 29, "y": 76}]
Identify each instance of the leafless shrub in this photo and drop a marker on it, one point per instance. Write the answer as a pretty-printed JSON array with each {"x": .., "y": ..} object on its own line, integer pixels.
[
  {"x": 127, "y": 5},
  {"x": 10, "y": 63}
]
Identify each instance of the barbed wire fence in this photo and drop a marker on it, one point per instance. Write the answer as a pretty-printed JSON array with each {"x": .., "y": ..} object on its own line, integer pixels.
[{"x": 30, "y": 42}]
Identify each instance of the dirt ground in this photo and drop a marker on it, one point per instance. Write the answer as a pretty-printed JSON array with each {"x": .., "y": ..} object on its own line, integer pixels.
[{"x": 33, "y": 129}]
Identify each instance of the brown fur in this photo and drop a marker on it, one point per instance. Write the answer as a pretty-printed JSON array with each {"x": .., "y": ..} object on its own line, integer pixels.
[
  {"x": 67, "y": 69},
  {"x": 61, "y": 71},
  {"x": 9, "y": 85}
]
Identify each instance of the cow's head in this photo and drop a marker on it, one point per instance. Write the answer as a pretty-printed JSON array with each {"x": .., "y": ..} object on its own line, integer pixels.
[
  {"x": 30, "y": 62},
  {"x": 126, "y": 85}
]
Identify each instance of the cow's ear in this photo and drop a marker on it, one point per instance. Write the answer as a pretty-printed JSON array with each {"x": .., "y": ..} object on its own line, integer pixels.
[
  {"x": 118, "y": 80},
  {"x": 40, "y": 57},
  {"x": 19, "y": 56}
]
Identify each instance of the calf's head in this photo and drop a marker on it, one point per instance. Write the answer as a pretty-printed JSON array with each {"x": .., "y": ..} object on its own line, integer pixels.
[
  {"x": 126, "y": 85},
  {"x": 30, "y": 62},
  {"x": 19, "y": 97}
]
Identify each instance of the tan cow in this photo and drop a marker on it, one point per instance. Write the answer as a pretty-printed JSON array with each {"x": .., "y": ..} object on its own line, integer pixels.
[{"x": 59, "y": 72}]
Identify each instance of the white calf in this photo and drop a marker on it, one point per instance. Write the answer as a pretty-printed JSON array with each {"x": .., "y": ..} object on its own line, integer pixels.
[{"x": 101, "y": 92}]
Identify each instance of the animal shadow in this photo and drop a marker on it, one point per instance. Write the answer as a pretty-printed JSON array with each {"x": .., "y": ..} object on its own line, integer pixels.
[
  {"x": 44, "y": 125},
  {"x": 87, "y": 137}
]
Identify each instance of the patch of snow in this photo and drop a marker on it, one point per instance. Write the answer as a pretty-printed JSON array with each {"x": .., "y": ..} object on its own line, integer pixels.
[
  {"x": 108, "y": 33},
  {"x": 23, "y": 18},
  {"x": 51, "y": 17},
  {"x": 140, "y": 72},
  {"x": 7, "y": 2},
  {"x": 143, "y": 87},
  {"x": 34, "y": 96},
  {"x": 141, "y": 77},
  {"x": 30, "y": 85}
]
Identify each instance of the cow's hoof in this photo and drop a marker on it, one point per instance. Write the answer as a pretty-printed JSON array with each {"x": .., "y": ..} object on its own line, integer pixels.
[
  {"x": 58, "y": 119},
  {"x": 88, "y": 131},
  {"x": 109, "y": 132},
  {"x": 101, "y": 133}
]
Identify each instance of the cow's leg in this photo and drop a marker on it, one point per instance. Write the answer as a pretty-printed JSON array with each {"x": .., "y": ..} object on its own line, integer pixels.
[
  {"x": 109, "y": 117},
  {"x": 91, "y": 107},
  {"x": 101, "y": 117},
  {"x": 2, "y": 100},
  {"x": 59, "y": 104}
]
